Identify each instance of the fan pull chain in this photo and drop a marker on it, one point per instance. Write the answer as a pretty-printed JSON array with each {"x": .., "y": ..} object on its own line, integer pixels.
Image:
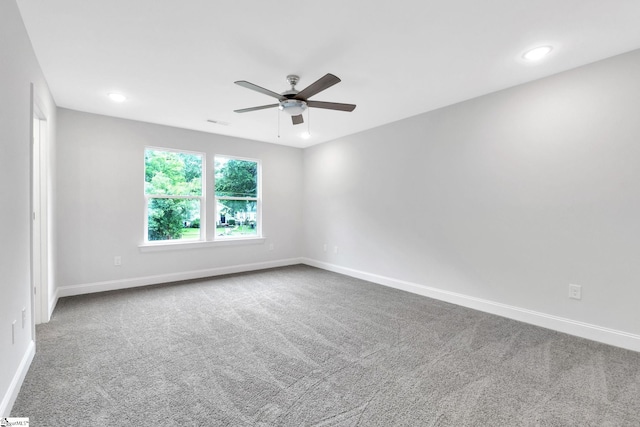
[{"x": 278, "y": 122}]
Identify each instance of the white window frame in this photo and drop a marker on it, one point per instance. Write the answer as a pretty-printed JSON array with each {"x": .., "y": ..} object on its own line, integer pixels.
[
  {"x": 201, "y": 198},
  {"x": 208, "y": 236},
  {"x": 257, "y": 199}
]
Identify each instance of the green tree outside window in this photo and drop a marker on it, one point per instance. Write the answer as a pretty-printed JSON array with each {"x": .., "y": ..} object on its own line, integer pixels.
[{"x": 173, "y": 185}]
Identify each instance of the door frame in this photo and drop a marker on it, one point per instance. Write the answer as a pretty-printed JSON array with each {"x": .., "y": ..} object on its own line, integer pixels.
[{"x": 40, "y": 265}]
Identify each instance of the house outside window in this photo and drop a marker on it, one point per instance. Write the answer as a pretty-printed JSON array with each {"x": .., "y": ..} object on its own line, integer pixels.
[{"x": 237, "y": 197}]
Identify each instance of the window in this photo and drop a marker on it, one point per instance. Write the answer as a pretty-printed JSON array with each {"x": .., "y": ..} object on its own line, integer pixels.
[
  {"x": 236, "y": 195},
  {"x": 176, "y": 200},
  {"x": 173, "y": 190}
]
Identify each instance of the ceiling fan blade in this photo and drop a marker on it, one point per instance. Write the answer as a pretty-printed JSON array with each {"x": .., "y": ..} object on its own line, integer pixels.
[
  {"x": 297, "y": 119},
  {"x": 262, "y": 107},
  {"x": 257, "y": 88},
  {"x": 321, "y": 84},
  {"x": 331, "y": 105}
]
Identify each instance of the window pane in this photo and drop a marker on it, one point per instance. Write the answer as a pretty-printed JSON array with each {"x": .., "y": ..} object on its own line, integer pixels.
[
  {"x": 236, "y": 178},
  {"x": 174, "y": 219},
  {"x": 173, "y": 174},
  {"x": 236, "y": 218}
]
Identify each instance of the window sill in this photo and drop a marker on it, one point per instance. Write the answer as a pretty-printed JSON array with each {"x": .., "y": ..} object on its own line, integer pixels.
[{"x": 178, "y": 246}]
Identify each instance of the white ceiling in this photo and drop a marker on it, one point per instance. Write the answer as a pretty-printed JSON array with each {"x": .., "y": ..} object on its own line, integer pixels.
[{"x": 176, "y": 61}]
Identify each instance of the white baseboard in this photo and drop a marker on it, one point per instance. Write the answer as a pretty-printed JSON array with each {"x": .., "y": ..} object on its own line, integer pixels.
[
  {"x": 584, "y": 330},
  {"x": 16, "y": 383},
  {"x": 112, "y": 285}
]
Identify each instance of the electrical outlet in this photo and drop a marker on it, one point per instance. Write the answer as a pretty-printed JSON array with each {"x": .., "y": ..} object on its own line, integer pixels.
[
  {"x": 117, "y": 260},
  {"x": 575, "y": 291},
  {"x": 13, "y": 332},
  {"x": 24, "y": 317},
  {"x": 335, "y": 249},
  {"x": 324, "y": 247}
]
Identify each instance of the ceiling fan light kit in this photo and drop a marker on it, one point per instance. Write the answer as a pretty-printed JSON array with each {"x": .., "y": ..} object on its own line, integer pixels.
[
  {"x": 293, "y": 107},
  {"x": 294, "y": 102}
]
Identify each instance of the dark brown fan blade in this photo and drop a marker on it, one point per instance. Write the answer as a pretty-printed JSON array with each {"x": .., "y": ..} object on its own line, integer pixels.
[
  {"x": 257, "y": 88},
  {"x": 331, "y": 105},
  {"x": 321, "y": 84},
  {"x": 262, "y": 107},
  {"x": 297, "y": 119}
]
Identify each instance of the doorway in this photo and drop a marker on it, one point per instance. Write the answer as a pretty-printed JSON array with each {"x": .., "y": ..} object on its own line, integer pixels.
[{"x": 39, "y": 214}]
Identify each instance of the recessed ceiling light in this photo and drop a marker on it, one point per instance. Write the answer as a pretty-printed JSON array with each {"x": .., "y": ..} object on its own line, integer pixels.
[
  {"x": 537, "y": 53},
  {"x": 117, "y": 97}
]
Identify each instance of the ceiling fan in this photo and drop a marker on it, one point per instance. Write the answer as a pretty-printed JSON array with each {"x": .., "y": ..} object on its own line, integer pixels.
[{"x": 295, "y": 102}]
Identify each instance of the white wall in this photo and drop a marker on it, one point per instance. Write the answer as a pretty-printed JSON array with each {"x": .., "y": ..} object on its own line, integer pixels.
[
  {"x": 501, "y": 201},
  {"x": 100, "y": 163},
  {"x": 18, "y": 70}
]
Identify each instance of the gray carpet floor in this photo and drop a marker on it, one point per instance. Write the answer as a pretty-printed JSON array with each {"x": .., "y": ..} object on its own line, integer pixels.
[{"x": 299, "y": 346}]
